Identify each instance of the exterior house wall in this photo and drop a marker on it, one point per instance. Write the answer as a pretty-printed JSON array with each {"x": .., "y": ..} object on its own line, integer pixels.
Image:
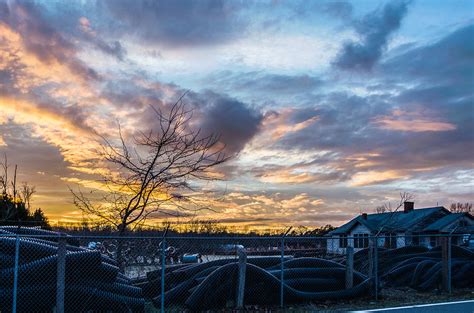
[
  {"x": 333, "y": 245},
  {"x": 333, "y": 242},
  {"x": 401, "y": 240},
  {"x": 359, "y": 229},
  {"x": 429, "y": 241}
]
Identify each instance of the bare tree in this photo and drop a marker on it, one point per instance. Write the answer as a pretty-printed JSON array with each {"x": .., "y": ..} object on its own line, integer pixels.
[
  {"x": 4, "y": 175},
  {"x": 9, "y": 202},
  {"x": 387, "y": 207},
  {"x": 151, "y": 172},
  {"x": 460, "y": 207},
  {"x": 382, "y": 209},
  {"x": 15, "y": 191},
  {"x": 26, "y": 194}
]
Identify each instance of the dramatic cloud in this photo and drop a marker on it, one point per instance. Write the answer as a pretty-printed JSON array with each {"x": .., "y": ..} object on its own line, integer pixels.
[
  {"x": 311, "y": 145},
  {"x": 385, "y": 137},
  {"x": 40, "y": 39},
  {"x": 281, "y": 123},
  {"x": 179, "y": 23},
  {"x": 90, "y": 35},
  {"x": 232, "y": 120},
  {"x": 446, "y": 61},
  {"x": 374, "y": 31},
  {"x": 263, "y": 83}
]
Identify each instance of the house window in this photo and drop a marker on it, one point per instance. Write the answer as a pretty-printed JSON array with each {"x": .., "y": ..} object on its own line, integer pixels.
[
  {"x": 391, "y": 241},
  {"x": 361, "y": 240},
  {"x": 433, "y": 241},
  {"x": 343, "y": 241}
]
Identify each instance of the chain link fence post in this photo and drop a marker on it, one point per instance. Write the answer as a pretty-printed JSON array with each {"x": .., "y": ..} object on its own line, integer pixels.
[
  {"x": 370, "y": 271},
  {"x": 163, "y": 268},
  {"x": 376, "y": 267},
  {"x": 373, "y": 265},
  {"x": 163, "y": 271},
  {"x": 242, "y": 272},
  {"x": 61, "y": 274},
  {"x": 349, "y": 267},
  {"x": 450, "y": 266},
  {"x": 282, "y": 276},
  {"x": 446, "y": 261},
  {"x": 15, "y": 273}
]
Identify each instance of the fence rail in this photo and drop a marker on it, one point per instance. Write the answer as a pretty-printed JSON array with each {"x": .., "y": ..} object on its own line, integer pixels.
[{"x": 47, "y": 271}]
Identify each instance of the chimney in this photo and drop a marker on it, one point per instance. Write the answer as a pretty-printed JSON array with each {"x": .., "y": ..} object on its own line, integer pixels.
[
  {"x": 364, "y": 216},
  {"x": 408, "y": 206}
]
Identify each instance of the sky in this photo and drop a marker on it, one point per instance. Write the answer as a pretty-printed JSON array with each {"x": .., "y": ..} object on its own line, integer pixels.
[{"x": 328, "y": 108}]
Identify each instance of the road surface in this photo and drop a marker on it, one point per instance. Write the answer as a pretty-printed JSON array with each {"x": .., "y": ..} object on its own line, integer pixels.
[{"x": 445, "y": 307}]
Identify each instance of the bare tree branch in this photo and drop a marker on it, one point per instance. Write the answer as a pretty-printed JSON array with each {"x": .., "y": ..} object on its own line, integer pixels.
[
  {"x": 26, "y": 194},
  {"x": 152, "y": 169},
  {"x": 461, "y": 207},
  {"x": 404, "y": 197}
]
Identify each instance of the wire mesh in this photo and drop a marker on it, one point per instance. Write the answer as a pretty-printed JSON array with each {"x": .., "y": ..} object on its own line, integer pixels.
[{"x": 175, "y": 274}]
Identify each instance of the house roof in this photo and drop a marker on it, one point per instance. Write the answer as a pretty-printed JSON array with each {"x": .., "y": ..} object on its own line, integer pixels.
[
  {"x": 465, "y": 230},
  {"x": 446, "y": 221},
  {"x": 389, "y": 221}
]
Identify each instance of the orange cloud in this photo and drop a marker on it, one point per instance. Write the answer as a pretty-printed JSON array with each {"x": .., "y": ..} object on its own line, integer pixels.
[
  {"x": 32, "y": 71},
  {"x": 278, "y": 124},
  {"x": 411, "y": 122},
  {"x": 287, "y": 176},
  {"x": 74, "y": 143},
  {"x": 302, "y": 200},
  {"x": 375, "y": 177}
]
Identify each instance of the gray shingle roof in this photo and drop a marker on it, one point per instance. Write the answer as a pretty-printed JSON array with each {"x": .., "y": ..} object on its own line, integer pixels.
[
  {"x": 445, "y": 221},
  {"x": 390, "y": 221}
]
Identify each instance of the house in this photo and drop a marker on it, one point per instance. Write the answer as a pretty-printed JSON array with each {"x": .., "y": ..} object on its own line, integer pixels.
[{"x": 401, "y": 228}]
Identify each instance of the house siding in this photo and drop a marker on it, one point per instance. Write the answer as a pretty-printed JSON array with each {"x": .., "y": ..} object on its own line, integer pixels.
[
  {"x": 333, "y": 242},
  {"x": 401, "y": 240}
]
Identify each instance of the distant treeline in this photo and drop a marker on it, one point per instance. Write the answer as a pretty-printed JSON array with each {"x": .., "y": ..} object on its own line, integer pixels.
[
  {"x": 190, "y": 228},
  {"x": 15, "y": 212}
]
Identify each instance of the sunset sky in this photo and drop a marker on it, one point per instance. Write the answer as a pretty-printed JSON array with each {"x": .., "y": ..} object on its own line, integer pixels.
[{"x": 330, "y": 108}]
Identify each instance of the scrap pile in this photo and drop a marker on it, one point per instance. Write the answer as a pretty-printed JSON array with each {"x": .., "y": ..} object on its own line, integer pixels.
[
  {"x": 214, "y": 284},
  {"x": 419, "y": 267},
  {"x": 92, "y": 281}
]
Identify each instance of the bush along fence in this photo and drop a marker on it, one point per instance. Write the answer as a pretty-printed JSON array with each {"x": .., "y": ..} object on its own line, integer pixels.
[{"x": 46, "y": 271}]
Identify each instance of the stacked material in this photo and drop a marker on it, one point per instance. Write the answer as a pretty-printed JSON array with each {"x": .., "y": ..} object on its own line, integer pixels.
[
  {"x": 214, "y": 284},
  {"x": 419, "y": 268},
  {"x": 92, "y": 281}
]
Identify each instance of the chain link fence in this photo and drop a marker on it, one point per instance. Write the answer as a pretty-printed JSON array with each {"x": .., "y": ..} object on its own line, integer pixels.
[{"x": 44, "y": 271}]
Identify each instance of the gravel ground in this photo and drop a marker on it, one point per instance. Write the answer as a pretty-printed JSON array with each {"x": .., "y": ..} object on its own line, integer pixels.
[{"x": 389, "y": 297}]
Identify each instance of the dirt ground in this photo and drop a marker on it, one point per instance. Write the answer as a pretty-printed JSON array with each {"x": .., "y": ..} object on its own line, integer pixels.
[{"x": 388, "y": 297}]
